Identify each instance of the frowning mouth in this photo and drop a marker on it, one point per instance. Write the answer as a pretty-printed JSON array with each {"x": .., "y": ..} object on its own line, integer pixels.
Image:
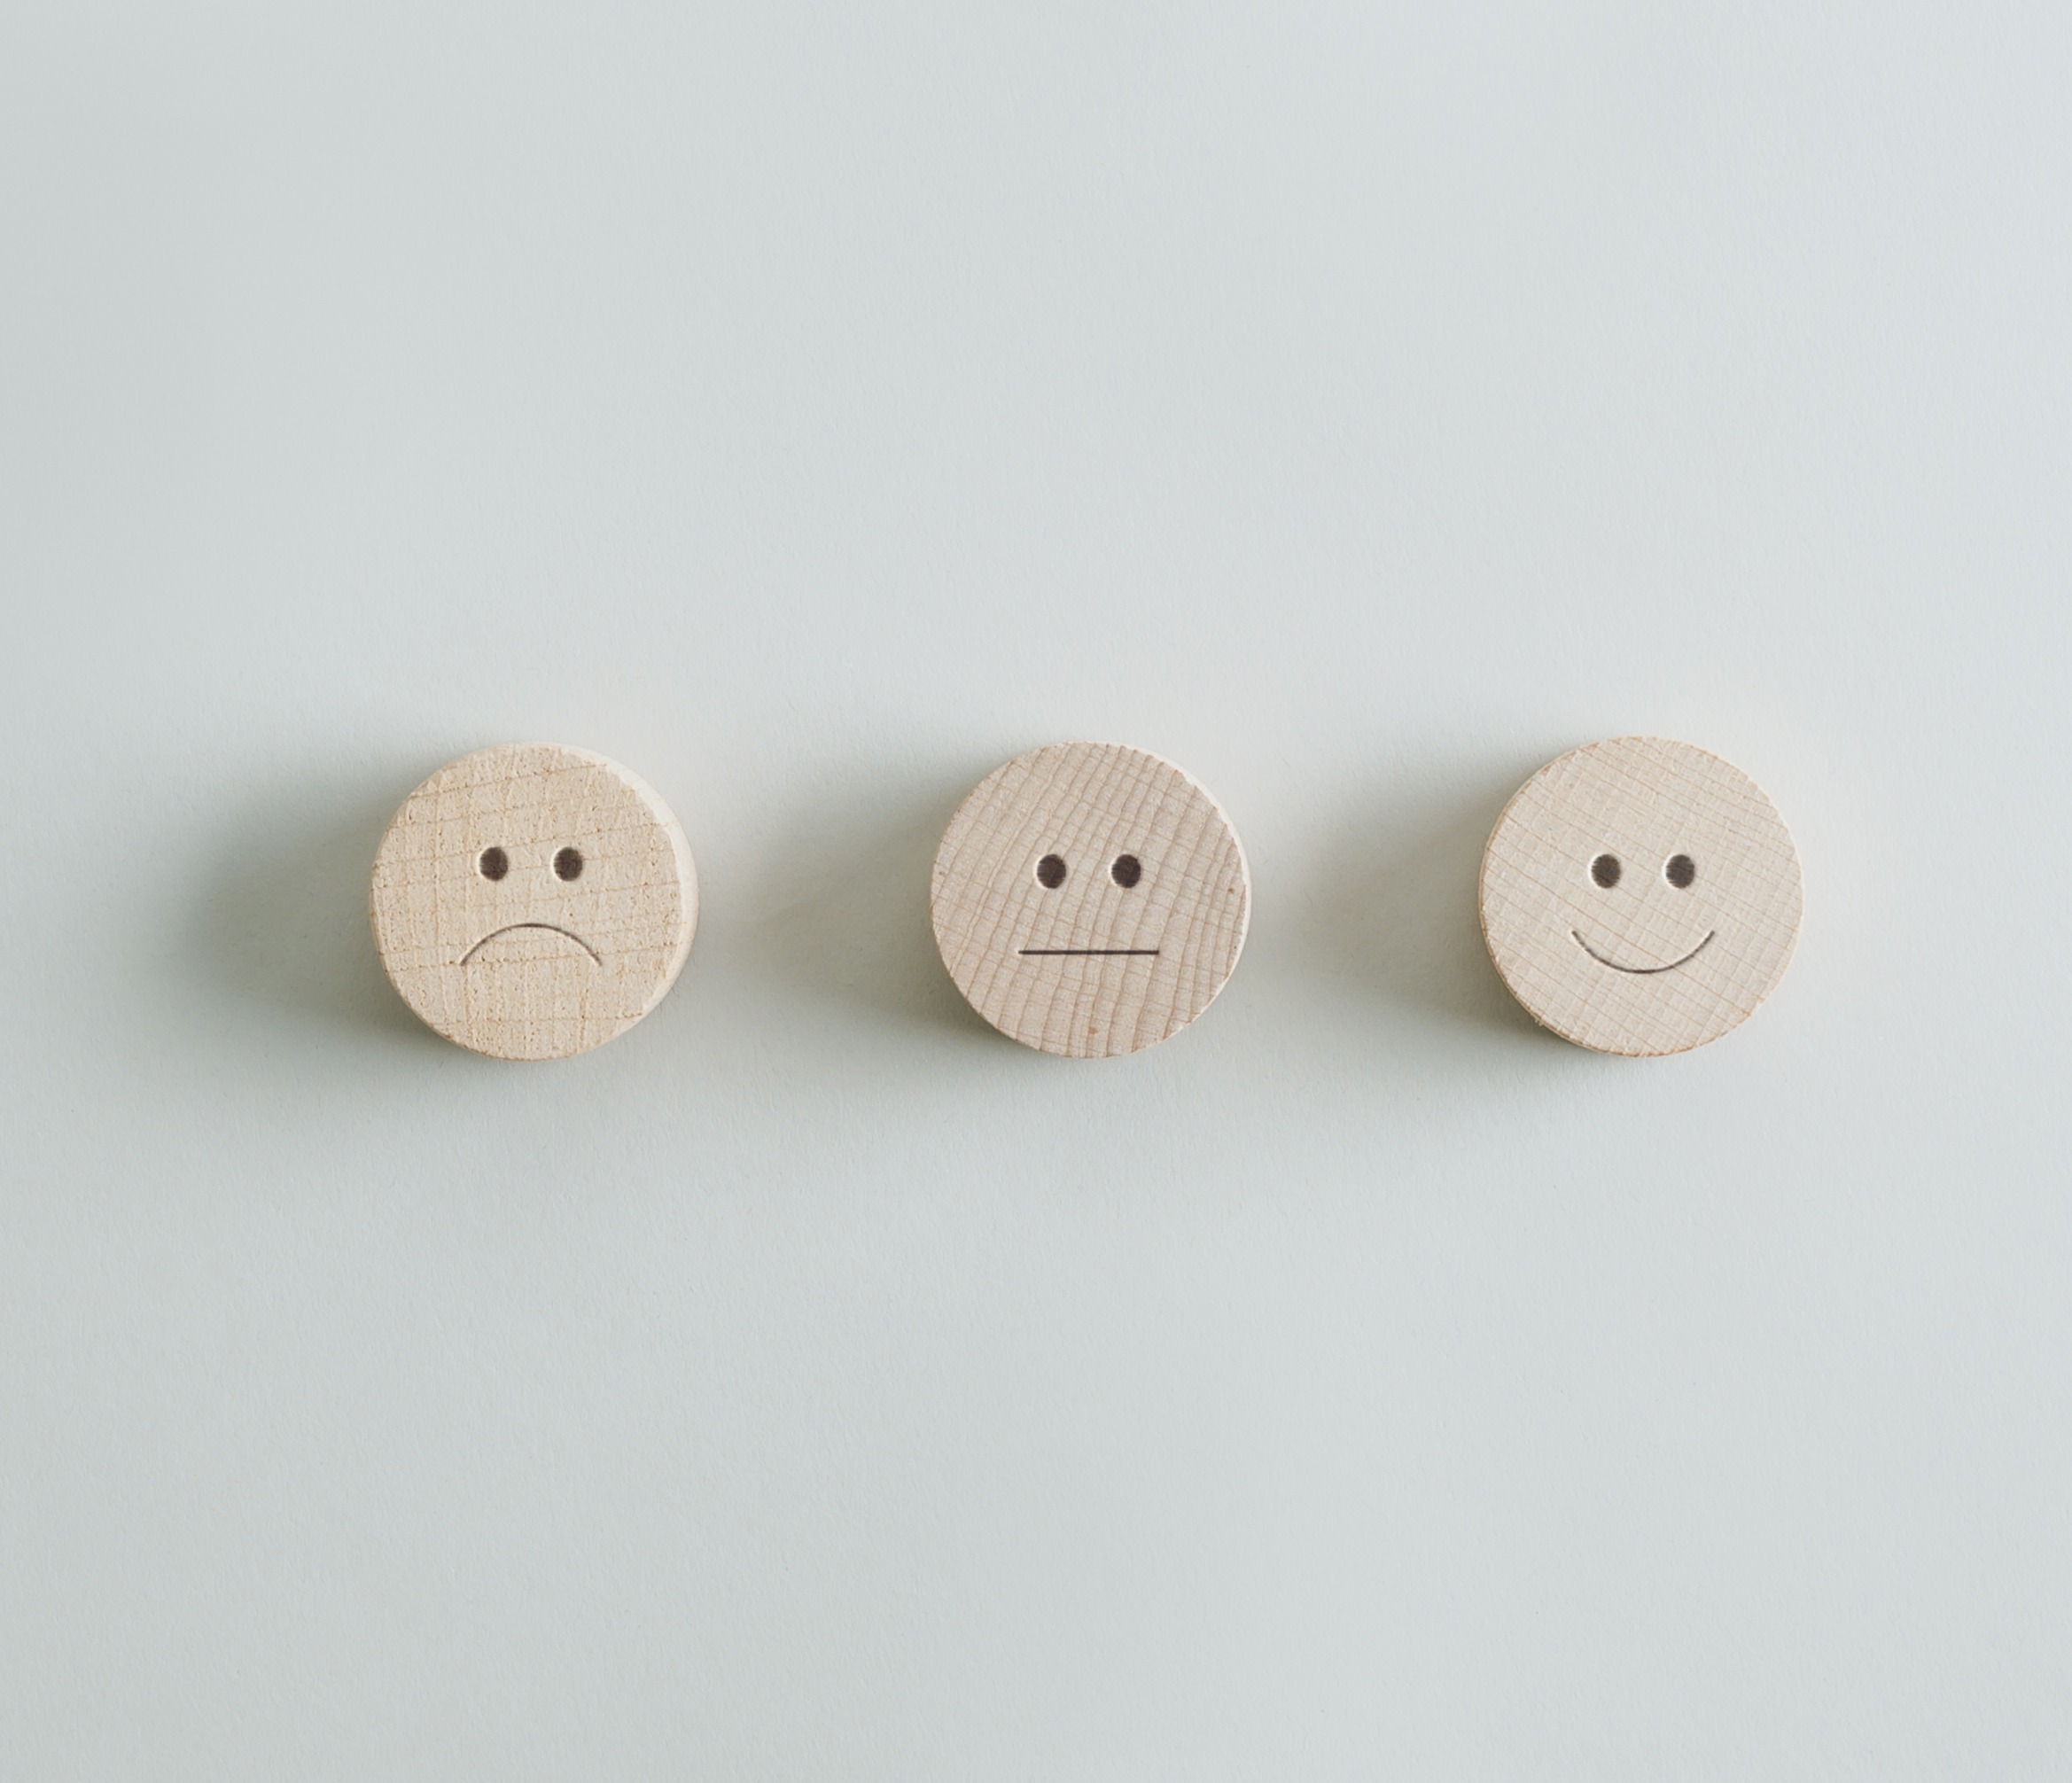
[
  {"x": 1090, "y": 953},
  {"x": 553, "y": 928},
  {"x": 1643, "y": 971}
]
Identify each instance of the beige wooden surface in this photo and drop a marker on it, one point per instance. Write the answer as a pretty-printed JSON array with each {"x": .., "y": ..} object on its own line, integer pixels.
[
  {"x": 1697, "y": 923},
  {"x": 554, "y": 955},
  {"x": 1142, "y": 929}
]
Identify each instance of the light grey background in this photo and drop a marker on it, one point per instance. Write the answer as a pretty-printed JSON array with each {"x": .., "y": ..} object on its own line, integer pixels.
[{"x": 811, "y": 406}]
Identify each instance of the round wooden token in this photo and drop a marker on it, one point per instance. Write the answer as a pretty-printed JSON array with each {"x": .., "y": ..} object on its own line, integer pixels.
[
  {"x": 532, "y": 901},
  {"x": 1090, "y": 899},
  {"x": 1640, "y": 896}
]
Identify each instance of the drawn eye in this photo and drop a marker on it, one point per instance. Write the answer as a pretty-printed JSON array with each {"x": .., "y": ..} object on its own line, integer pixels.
[
  {"x": 1605, "y": 871},
  {"x": 1680, "y": 871},
  {"x": 1126, "y": 871},
  {"x": 1050, "y": 872},
  {"x": 568, "y": 864},
  {"x": 492, "y": 863}
]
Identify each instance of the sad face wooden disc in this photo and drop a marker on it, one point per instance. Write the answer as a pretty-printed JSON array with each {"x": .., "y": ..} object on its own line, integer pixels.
[
  {"x": 532, "y": 901},
  {"x": 1640, "y": 896},
  {"x": 1090, "y": 899}
]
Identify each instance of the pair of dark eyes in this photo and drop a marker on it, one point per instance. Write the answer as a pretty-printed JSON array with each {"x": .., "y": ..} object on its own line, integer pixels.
[
  {"x": 1680, "y": 870},
  {"x": 1125, "y": 869},
  {"x": 493, "y": 863}
]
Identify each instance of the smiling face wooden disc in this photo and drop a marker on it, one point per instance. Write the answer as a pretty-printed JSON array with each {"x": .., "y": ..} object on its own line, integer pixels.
[
  {"x": 532, "y": 901},
  {"x": 1090, "y": 899},
  {"x": 1640, "y": 896}
]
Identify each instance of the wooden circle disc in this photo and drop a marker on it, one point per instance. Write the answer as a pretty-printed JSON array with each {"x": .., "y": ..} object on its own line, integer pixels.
[
  {"x": 1090, "y": 899},
  {"x": 532, "y": 901},
  {"x": 1640, "y": 896}
]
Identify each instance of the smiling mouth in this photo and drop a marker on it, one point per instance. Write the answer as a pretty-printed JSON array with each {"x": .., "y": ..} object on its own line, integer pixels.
[
  {"x": 508, "y": 928},
  {"x": 1090, "y": 953},
  {"x": 1643, "y": 971}
]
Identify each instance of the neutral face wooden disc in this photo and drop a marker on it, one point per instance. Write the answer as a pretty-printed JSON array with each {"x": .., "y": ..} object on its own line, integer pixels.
[
  {"x": 1090, "y": 899},
  {"x": 532, "y": 901},
  {"x": 1640, "y": 896}
]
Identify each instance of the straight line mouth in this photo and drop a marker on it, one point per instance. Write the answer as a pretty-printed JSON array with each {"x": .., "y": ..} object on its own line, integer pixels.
[
  {"x": 1090, "y": 953},
  {"x": 1642, "y": 971},
  {"x": 553, "y": 928}
]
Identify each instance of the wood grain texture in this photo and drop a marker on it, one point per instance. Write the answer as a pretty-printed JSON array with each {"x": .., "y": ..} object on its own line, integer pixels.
[
  {"x": 1699, "y": 919},
  {"x": 1143, "y": 925},
  {"x": 513, "y": 953}
]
